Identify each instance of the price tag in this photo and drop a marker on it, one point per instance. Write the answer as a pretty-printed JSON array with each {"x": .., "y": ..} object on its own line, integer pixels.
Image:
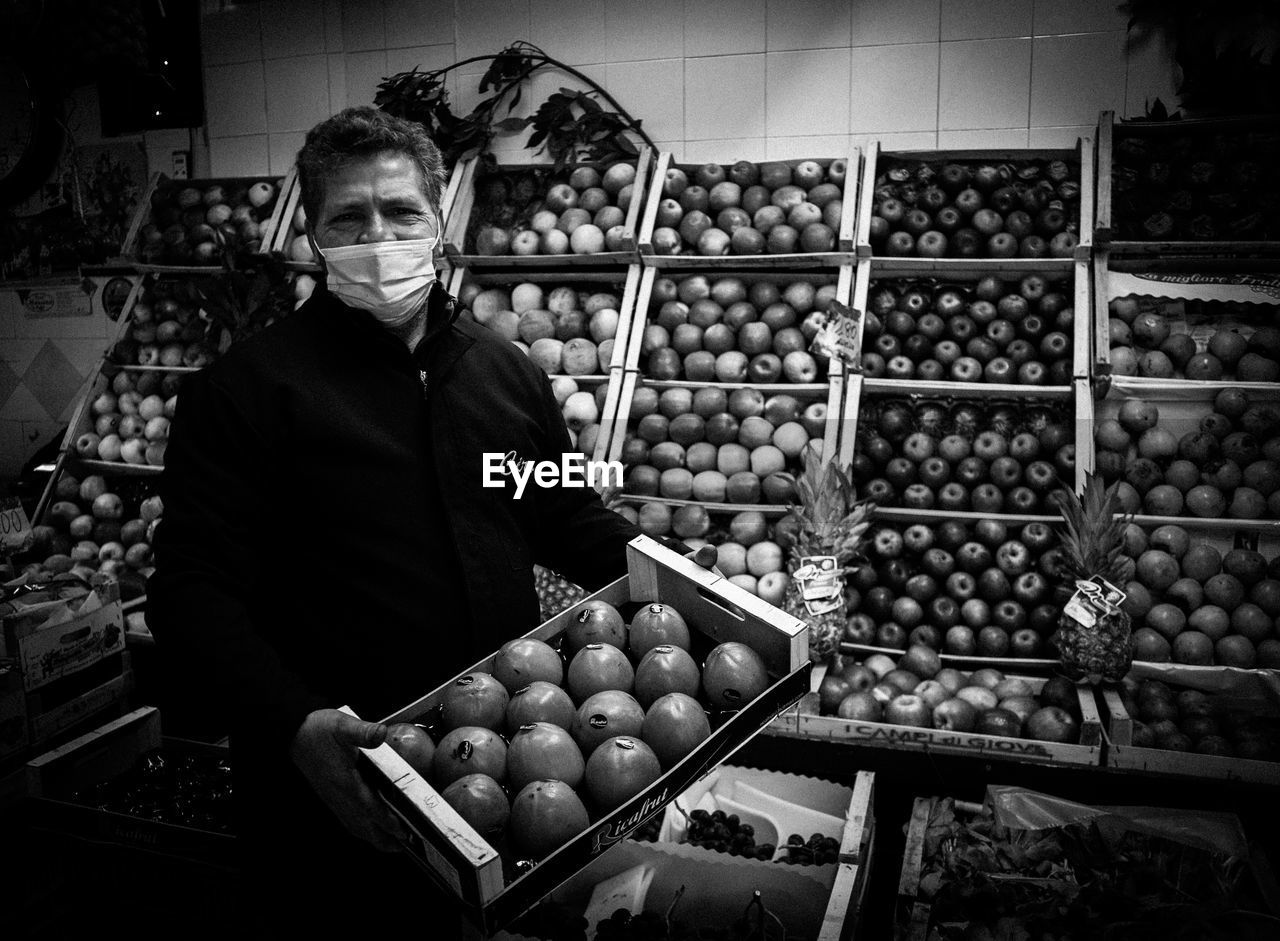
[
  {"x": 1093, "y": 599},
  {"x": 15, "y": 528},
  {"x": 838, "y": 336},
  {"x": 821, "y": 583}
]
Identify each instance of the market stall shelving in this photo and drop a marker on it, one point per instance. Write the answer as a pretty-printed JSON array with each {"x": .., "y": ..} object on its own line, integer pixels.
[
  {"x": 1080, "y": 156},
  {"x": 846, "y": 234}
]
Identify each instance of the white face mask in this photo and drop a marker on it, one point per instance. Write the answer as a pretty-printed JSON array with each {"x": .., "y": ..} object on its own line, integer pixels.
[{"x": 388, "y": 279}]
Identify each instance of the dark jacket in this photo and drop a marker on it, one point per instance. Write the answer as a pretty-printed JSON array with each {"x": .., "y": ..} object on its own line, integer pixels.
[{"x": 326, "y": 537}]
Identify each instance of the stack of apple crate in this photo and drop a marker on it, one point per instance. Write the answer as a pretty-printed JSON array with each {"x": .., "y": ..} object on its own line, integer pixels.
[
  {"x": 116, "y": 438},
  {"x": 719, "y": 396},
  {"x": 1185, "y": 364},
  {"x": 926, "y": 377}
]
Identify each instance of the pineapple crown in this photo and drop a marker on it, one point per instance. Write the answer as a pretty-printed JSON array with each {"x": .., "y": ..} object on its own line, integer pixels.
[
  {"x": 831, "y": 519},
  {"x": 1093, "y": 530}
]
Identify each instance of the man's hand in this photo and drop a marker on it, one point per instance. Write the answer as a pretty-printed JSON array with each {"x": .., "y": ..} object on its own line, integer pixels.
[{"x": 325, "y": 750}]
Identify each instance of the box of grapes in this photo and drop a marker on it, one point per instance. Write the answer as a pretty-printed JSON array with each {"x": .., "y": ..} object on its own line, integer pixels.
[{"x": 514, "y": 775}]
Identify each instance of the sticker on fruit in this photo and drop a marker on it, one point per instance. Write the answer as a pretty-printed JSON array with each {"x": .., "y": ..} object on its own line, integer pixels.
[{"x": 573, "y": 470}]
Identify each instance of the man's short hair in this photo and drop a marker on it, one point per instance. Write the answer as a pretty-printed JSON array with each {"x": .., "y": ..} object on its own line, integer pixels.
[{"x": 358, "y": 134}]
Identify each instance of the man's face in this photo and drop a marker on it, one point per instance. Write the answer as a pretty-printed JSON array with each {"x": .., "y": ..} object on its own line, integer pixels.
[{"x": 377, "y": 199}]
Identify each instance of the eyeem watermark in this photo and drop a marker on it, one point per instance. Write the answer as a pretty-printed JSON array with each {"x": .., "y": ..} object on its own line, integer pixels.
[{"x": 573, "y": 470}]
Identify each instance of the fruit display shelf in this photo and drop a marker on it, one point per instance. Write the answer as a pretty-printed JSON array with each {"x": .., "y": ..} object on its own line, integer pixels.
[
  {"x": 502, "y": 216},
  {"x": 979, "y": 592},
  {"x": 1202, "y": 596},
  {"x": 1199, "y": 188},
  {"x": 744, "y": 438},
  {"x": 184, "y": 226},
  {"x": 1217, "y": 723},
  {"x": 1180, "y": 458},
  {"x": 496, "y": 890},
  {"x": 806, "y": 721},
  {"x": 777, "y": 214},
  {"x": 970, "y": 453},
  {"x": 1185, "y": 323},
  {"x": 64, "y": 787},
  {"x": 975, "y": 322},
  {"x": 1017, "y": 206},
  {"x": 705, "y": 326}
]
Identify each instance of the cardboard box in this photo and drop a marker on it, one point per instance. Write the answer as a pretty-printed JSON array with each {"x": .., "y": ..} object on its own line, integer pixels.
[
  {"x": 13, "y": 710},
  {"x": 461, "y": 860},
  {"x": 59, "y": 631}
]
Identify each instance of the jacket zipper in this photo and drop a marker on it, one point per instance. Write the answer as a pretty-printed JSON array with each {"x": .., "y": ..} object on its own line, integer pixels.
[{"x": 422, "y": 378}]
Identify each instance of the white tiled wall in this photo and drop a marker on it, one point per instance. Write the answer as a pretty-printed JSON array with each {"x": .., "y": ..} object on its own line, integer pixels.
[{"x": 716, "y": 80}]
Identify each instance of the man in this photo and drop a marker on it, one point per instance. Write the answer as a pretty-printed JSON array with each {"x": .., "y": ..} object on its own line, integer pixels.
[{"x": 327, "y": 539}]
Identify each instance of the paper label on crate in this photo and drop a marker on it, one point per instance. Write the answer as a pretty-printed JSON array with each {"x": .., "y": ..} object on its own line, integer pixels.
[
  {"x": 837, "y": 338},
  {"x": 15, "y": 527},
  {"x": 1093, "y": 599},
  {"x": 821, "y": 583},
  {"x": 1240, "y": 288},
  {"x": 67, "y": 644}
]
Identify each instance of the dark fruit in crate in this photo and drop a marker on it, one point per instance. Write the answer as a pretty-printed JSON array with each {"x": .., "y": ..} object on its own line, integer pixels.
[
  {"x": 665, "y": 669},
  {"x": 525, "y": 660},
  {"x": 469, "y": 750},
  {"x": 595, "y": 622},
  {"x": 603, "y": 716},
  {"x": 541, "y": 751},
  {"x": 544, "y": 816},
  {"x": 413, "y": 744},
  {"x": 656, "y": 624},
  {"x": 476, "y": 699},
  {"x": 540, "y": 701},
  {"x": 733, "y": 675},
  {"x": 481, "y": 802},
  {"x": 619, "y": 769},
  {"x": 599, "y": 667},
  {"x": 674, "y": 726}
]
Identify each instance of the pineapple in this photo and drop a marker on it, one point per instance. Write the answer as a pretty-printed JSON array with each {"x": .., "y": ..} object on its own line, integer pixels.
[
  {"x": 555, "y": 592},
  {"x": 1092, "y": 544},
  {"x": 828, "y": 521}
]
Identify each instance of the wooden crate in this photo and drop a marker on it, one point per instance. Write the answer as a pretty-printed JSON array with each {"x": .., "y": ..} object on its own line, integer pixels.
[
  {"x": 106, "y": 753},
  {"x": 160, "y": 182},
  {"x": 804, "y": 722},
  {"x": 469, "y": 866},
  {"x": 966, "y": 271},
  {"x": 845, "y": 236},
  {"x": 1082, "y": 154},
  {"x": 1073, "y": 399},
  {"x": 1107, "y": 228},
  {"x": 834, "y": 439},
  {"x": 626, "y": 283},
  {"x": 1181, "y": 405},
  {"x": 1173, "y": 285},
  {"x": 842, "y": 278},
  {"x": 458, "y": 222},
  {"x": 824, "y": 902}
]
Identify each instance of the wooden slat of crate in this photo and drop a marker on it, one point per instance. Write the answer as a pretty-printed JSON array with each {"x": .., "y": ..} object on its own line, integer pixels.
[
  {"x": 839, "y": 920},
  {"x": 464, "y": 202},
  {"x": 96, "y": 756},
  {"x": 281, "y": 218},
  {"x": 846, "y": 236},
  {"x": 1103, "y": 228},
  {"x": 1122, "y": 755},
  {"x": 911, "y": 918},
  {"x": 1082, "y": 154},
  {"x": 1022, "y": 666},
  {"x": 1085, "y": 457}
]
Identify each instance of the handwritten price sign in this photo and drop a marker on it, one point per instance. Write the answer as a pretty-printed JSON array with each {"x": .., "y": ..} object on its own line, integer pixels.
[{"x": 15, "y": 528}]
